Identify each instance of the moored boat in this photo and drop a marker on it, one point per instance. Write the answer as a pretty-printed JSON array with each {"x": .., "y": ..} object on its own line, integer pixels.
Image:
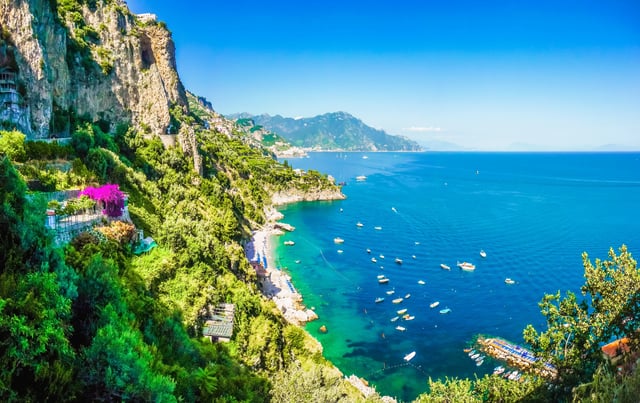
[
  {"x": 338, "y": 240},
  {"x": 374, "y": 260},
  {"x": 408, "y": 317},
  {"x": 509, "y": 281},
  {"x": 397, "y": 300},
  {"x": 398, "y": 260},
  {"x": 498, "y": 370},
  {"x": 445, "y": 310},
  {"x": 444, "y": 266},
  {"x": 395, "y": 318},
  {"x": 434, "y": 304},
  {"x": 400, "y": 328},
  {"x": 379, "y": 299},
  {"x": 359, "y": 224},
  {"x": 390, "y": 292},
  {"x": 409, "y": 356},
  {"x": 407, "y": 296},
  {"x": 361, "y": 178},
  {"x": 289, "y": 243},
  {"x": 383, "y": 280},
  {"x": 402, "y": 311},
  {"x": 466, "y": 266},
  {"x": 421, "y": 282},
  {"x": 377, "y": 228},
  {"x": 483, "y": 253}
]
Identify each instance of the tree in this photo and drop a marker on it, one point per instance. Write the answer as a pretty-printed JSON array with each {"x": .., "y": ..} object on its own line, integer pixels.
[
  {"x": 610, "y": 308},
  {"x": 12, "y": 145}
]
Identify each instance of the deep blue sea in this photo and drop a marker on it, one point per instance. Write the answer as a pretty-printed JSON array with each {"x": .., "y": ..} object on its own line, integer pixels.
[{"x": 533, "y": 213}]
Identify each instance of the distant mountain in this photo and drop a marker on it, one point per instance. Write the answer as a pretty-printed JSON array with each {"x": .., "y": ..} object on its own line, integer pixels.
[
  {"x": 332, "y": 131},
  {"x": 440, "y": 145}
]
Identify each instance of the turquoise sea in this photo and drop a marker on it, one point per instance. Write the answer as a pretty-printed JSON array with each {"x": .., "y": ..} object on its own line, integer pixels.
[{"x": 533, "y": 213}]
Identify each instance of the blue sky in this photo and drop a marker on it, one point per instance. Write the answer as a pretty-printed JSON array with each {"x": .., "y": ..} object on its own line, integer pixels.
[{"x": 487, "y": 75}]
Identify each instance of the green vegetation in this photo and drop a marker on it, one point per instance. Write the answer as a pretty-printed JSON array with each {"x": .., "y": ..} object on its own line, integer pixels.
[{"x": 92, "y": 321}]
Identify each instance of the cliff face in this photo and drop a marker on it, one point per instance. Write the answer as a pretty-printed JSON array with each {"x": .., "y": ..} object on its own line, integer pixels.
[{"x": 91, "y": 60}]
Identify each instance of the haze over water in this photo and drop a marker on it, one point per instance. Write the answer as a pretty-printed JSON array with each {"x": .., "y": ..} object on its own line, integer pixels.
[{"x": 533, "y": 214}]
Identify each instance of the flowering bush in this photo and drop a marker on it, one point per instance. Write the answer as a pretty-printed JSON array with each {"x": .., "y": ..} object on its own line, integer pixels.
[
  {"x": 119, "y": 231},
  {"x": 111, "y": 197}
]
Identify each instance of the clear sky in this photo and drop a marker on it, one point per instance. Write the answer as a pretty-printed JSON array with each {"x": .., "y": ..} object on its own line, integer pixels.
[{"x": 487, "y": 75}]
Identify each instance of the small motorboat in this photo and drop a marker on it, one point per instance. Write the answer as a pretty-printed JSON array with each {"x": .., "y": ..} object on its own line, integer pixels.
[
  {"x": 400, "y": 328},
  {"x": 379, "y": 299},
  {"x": 509, "y": 281},
  {"x": 377, "y": 228},
  {"x": 397, "y": 300},
  {"x": 421, "y": 282},
  {"x": 407, "y": 296},
  {"x": 483, "y": 253},
  {"x": 390, "y": 292},
  {"x": 445, "y": 311},
  {"x": 466, "y": 266},
  {"x": 409, "y": 356},
  {"x": 381, "y": 256},
  {"x": 374, "y": 260},
  {"x": 383, "y": 280},
  {"x": 338, "y": 240},
  {"x": 444, "y": 266},
  {"x": 368, "y": 250},
  {"x": 402, "y": 311},
  {"x": 289, "y": 243},
  {"x": 434, "y": 304},
  {"x": 408, "y": 317},
  {"x": 395, "y": 318},
  {"x": 359, "y": 224},
  {"x": 398, "y": 260}
]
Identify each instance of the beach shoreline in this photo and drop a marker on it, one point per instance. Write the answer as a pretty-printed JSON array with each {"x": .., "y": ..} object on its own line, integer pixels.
[{"x": 275, "y": 283}]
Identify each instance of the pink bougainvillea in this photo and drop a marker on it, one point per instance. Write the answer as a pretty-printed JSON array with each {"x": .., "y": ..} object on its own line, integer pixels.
[{"x": 111, "y": 197}]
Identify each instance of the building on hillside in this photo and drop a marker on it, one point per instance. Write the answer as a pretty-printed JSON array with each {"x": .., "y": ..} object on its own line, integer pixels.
[
  {"x": 219, "y": 325},
  {"x": 615, "y": 350}
]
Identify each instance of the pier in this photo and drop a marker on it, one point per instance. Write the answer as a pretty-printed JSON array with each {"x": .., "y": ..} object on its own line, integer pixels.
[{"x": 515, "y": 356}]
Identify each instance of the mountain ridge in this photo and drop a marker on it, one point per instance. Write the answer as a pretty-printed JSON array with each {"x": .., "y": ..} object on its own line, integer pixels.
[{"x": 332, "y": 131}]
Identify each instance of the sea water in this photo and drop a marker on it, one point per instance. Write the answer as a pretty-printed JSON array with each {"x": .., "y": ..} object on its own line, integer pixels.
[{"x": 533, "y": 214}]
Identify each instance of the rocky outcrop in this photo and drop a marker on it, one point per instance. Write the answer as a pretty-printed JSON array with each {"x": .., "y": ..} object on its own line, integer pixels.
[
  {"x": 98, "y": 62},
  {"x": 294, "y": 195}
]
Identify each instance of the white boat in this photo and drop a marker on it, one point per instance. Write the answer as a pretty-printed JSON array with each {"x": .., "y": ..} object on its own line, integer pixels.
[
  {"x": 413, "y": 256},
  {"x": 408, "y": 317},
  {"x": 402, "y": 311},
  {"x": 359, "y": 224},
  {"x": 381, "y": 256},
  {"x": 498, "y": 370},
  {"x": 289, "y": 243},
  {"x": 379, "y": 299},
  {"x": 509, "y": 281},
  {"x": 395, "y": 318},
  {"x": 409, "y": 356},
  {"x": 445, "y": 311},
  {"x": 434, "y": 304},
  {"x": 340, "y": 251},
  {"x": 374, "y": 260},
  {"x": 421, "y": 282},
  {"x": 378, "y": 228},
  {"x": 407, "y": 296},
  {"x": 361, "y": 178},
  {"x": 338, "y": 240},
  {"x": 380, "y": 276},
  {"x": 444, "y": 266},
  {"x": 466, "y": 266},
  {"x": 397, "y": 300},
  {"x": 474, "y": 356},
  {"x": 400, "y": 328},
  {"x": 480, "y": 362},
  {"x": 364, "y": 157},
  {"x": 368, "y": 250},
  {"x": 398, "y": 260},
  {"x": 483, "y": 253},
  {"x": 390, "y": 292},
  {"x": 394, "y": 209},
  {"x": 383, "y": 280}
]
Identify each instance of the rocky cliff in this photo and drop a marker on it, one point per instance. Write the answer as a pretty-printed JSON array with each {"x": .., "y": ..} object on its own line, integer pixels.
[{"x": 91, "y": 59}]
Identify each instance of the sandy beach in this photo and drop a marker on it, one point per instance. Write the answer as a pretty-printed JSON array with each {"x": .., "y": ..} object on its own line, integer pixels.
[{"x": 277, "y": 285}]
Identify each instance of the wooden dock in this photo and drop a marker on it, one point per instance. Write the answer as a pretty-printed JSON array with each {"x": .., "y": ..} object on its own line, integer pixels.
[{"x": 515, "y": 356}]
